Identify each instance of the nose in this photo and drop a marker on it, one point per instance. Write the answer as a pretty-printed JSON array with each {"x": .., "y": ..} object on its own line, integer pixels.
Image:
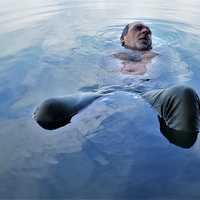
[{"x": 145, "y": 30}]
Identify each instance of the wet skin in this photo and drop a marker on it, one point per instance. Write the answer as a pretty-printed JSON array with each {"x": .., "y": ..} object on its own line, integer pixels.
[{"x": 138, "y": 39}]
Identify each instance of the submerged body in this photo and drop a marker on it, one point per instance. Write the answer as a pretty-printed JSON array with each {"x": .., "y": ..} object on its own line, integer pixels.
[
  {"x": 178, "y": 107},
  {"x": 135, "y": 63}
]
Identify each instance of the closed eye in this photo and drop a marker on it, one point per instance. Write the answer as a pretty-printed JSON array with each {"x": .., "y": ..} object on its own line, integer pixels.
[{"x": 138, "y": 27}]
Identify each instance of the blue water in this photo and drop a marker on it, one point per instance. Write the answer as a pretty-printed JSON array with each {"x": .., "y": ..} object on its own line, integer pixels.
[{"x": 113, "y": 149}]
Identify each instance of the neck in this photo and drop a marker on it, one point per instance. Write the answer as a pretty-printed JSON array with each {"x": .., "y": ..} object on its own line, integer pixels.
[{"x": 136, "y": 51}]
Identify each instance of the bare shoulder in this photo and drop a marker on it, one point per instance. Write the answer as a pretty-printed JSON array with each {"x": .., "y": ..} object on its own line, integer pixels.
[
  {"x": 136, "y": 63},
  {"x": 148, "y": 55},
  {"x": 127, "y": 56},
  {"x": 135, "y": 56}
]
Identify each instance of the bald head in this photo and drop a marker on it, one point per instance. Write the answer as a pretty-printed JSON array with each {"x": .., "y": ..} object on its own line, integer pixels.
[{"x": 136, "y": 36}]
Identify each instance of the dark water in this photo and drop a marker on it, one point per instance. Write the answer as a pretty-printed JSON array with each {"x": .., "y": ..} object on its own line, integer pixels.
[{"x": 113, "y": 149}]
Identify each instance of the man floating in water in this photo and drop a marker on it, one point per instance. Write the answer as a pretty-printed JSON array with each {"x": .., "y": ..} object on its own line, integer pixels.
[
  {"x": 137, "y": 37},
  {"x": 178, "y": 107}
]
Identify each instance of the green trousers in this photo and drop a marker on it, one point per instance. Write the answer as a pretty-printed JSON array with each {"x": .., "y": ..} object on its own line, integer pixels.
[{"x": 178, "y": 111}]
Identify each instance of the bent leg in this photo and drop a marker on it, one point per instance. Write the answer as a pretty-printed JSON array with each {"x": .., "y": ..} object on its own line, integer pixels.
[
  {"x": 57, "y": 112},
  {"x": 178, "y": 109}
]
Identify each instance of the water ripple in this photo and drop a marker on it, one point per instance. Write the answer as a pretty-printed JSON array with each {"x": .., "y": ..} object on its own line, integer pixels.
[{"x": 52, "y": 48}]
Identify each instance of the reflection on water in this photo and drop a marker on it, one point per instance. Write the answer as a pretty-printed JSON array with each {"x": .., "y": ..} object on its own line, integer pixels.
[{"x": 113, "y": 149}]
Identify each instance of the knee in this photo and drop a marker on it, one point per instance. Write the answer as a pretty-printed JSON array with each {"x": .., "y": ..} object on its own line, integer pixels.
[
  {"x": 184, "y": 95},
  {"x": 185, "y": 91},
  {"x": 190, "y": 99},
  {"x": 50, "y": 114}
]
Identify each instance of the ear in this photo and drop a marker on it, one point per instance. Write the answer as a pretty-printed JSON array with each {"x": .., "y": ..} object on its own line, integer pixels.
[{"x": 124, "y": 32}]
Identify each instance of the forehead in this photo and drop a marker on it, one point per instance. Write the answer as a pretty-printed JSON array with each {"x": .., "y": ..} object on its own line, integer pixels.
[{"x": 134, "y": 24}]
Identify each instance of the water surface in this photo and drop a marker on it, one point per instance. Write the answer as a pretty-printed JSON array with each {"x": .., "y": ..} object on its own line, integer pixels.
[{"x": 113, "y": 149}]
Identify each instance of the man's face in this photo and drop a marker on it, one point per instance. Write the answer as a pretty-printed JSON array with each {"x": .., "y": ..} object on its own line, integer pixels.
[{"x": 138, "y": 37}]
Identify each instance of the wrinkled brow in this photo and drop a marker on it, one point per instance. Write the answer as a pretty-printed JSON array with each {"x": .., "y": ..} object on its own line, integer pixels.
[{"x": 140, "y": 26}]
